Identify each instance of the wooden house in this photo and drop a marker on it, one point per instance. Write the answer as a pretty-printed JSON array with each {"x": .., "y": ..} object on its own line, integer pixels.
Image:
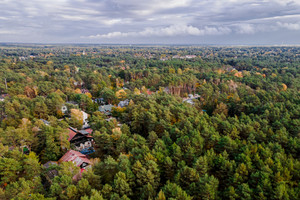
[{"x": 81, "y": 140}]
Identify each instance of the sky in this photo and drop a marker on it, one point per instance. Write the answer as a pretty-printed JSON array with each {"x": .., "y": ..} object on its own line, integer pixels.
[{"x": 196, "y": 22}]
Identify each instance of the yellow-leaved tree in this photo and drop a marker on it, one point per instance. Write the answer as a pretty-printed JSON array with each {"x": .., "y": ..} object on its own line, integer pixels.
[
  {"x": 144, "y": 90},
  {"x": 88, "y": 94},
  {"x": 121, "y": 94},
  {"x": 76, "y": 118},
  {"x": 136, "y": 91}
]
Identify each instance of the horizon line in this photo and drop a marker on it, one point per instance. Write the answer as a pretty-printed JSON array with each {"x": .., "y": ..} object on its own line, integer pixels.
[{"x": 146, "y": 44}]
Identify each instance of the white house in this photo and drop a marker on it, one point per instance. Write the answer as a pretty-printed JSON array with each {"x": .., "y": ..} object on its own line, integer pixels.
[{"x": 85, "y": 121}]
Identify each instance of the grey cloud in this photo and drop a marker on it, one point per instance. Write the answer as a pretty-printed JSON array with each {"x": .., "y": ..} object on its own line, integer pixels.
[
  {"x": 107, "y": 20},
  {"x": 173, "y": 30},
  {"x": 290, "y": 26}
]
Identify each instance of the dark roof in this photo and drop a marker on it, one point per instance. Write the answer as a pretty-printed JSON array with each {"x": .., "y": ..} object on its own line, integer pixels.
[
  {"x": 84, "y": 132},
  {"x": 49, "y": 163},
  {"x": 73, "y": 132}
]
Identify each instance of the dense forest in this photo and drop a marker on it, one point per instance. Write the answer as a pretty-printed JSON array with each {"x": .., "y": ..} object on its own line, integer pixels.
[{"x": 185, "y": 122}]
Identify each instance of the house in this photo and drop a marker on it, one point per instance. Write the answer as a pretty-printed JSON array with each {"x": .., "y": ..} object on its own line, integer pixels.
[
  {"x": 69, "y": 104},
  {"x": 106, "y": 109},
  {"x": 184, "y": 57},
  {"x": 149, "y": 92},
  {"x": 85, "y": 121},
  {"x": 110, "y": 119},
  {"x": 81, "y": 140},
  {"x": 77, "y": 83},
  {"x": 124, "y": 103},
  {"x": 79, "y": 159},
  {"x": 2, "y": 97},
  {"x": 84, "y": 91},
  {"x": 74, "y": 103},
  {"x": 52, "y": 172},
  {"x": 190, "y": 99},
  {"x": 176, "y": 57},
  {"x": 190, "y": 56},
  {"x": 47, "y": 123},
  {"x": 166, "y": 90},
  {"x": 99, "y": 101}
]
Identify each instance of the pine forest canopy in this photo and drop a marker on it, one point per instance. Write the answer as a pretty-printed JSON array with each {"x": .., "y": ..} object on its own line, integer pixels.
[{"x": 160, "y": 122}]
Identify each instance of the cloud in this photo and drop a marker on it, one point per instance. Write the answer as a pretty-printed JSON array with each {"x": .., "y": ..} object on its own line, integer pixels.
[
  {"x": 69, "y": 20},
  {"x": 173, "y": 30},
  {"x": 289, "y": 26},
  {"x": 146, "y": 7},
  {"x": 245, "y": 29},
  {"x": 2, "y": 32}
]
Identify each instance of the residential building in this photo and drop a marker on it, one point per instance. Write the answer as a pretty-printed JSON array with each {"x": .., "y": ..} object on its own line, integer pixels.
[
  {"x": 81, "y": 140},
  {"x": 47, "y": 123},
  {"x": 106, "y": 109},
  {"x": 191, "y": 98},
  {"x": 124, "y": 103},
  {"x": 2, "y": 97},
  {"x": 99, "y": 101},
  {"x": 85, "y": 120},
  {"x": 51, "y": 173},
  {"x": 79, "y": 159}
]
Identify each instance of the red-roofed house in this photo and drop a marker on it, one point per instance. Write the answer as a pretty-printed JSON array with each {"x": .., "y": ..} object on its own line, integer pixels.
[
  {"x": 149, "y": 92},
  {"x": 84, "y": 91},
  {"x": 79, "y": 159},
  {"x": 81, "y": 140}
]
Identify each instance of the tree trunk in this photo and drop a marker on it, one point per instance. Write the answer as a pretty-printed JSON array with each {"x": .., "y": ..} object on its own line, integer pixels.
[{"x": 5, "y": 83}]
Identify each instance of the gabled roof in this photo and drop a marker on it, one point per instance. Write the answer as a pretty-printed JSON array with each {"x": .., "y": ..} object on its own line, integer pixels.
[
  {"x": 72, "y": 133},
  {"x": 75, "y": 157}
]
